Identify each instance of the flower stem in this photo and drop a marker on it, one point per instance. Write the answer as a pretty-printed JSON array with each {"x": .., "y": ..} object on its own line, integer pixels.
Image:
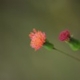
[{"x": 67, "y": 54}]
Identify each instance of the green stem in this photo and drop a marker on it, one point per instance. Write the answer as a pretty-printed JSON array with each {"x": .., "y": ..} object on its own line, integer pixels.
[{"x": 67, "y": 54}]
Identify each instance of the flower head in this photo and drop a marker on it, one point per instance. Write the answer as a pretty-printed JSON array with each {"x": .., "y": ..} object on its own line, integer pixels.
[
  {"x": 38, "y": 38},
  {"x": 64, "y": 35}
]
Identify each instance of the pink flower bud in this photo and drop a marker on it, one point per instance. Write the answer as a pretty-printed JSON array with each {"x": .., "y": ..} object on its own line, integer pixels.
[{"x": 64, "y": 36}]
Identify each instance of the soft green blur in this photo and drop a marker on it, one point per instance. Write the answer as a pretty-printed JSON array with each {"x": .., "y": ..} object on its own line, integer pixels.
[{"x": 18, "y": 61}]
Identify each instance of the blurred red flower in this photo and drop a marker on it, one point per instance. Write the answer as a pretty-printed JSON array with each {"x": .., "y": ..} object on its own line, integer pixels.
[{"x": 64, "y": 35}]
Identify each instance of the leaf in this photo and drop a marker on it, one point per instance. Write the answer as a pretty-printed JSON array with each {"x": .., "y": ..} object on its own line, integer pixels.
[{"x": 74, "y": 44}]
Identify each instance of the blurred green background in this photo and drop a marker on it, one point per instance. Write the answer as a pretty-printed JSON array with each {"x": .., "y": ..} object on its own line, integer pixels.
[{"x": 18, "y": 61}]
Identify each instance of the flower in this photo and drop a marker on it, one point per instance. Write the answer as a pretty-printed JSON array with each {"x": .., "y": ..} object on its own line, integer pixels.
[
  {"x": 68, "y": 38},
  {"x": 38, "y": 38},
  {"x": 64, "y": 35}
]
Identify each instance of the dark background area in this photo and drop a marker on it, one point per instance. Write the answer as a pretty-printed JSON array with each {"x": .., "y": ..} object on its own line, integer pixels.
[{"x": 18, "y": 61}]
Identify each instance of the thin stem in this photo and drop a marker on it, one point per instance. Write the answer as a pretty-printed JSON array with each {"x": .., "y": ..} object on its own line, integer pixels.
[{"x": 67, "y": 54}]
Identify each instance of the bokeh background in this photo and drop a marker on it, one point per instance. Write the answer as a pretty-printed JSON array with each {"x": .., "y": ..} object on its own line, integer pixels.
[{"x": 18, "y": 61}]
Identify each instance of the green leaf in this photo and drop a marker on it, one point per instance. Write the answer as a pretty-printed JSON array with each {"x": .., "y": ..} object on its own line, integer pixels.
[
  {"x": 74, "y": 44},
  {"x": 48, "y": 45}
]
